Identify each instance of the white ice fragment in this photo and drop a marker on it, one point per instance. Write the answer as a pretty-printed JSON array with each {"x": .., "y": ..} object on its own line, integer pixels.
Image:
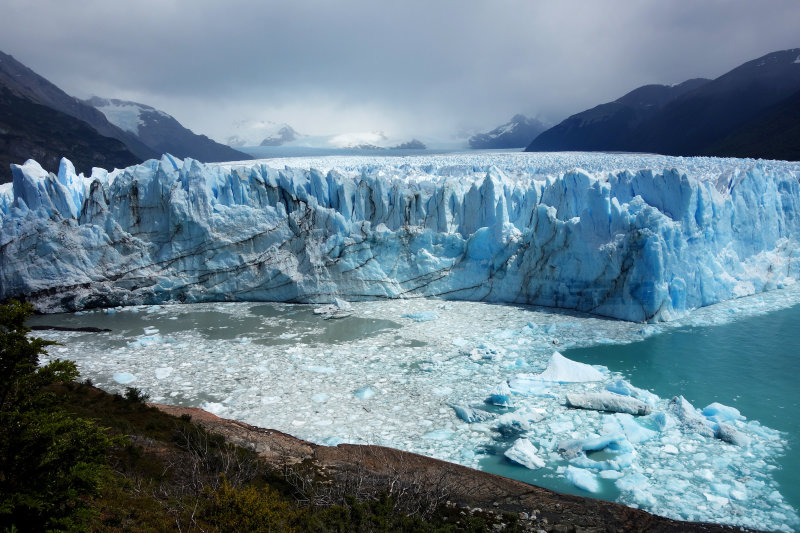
[
  {"x": 717, "y": 412},
  {"x": 563, "y": 370},
  {"x": 728, "y": 433},
  {"x": 422, "y": 316},
  {"x": 123, "y": 378},
  {"x": 670, "y": 449},
  {"x": 528, "y": 385},
  {"x": 163, "y": 372},
  {"x": 691, "y": 420},
  {"x": 364, "y": 393},
  {"x": 319, "y": 398},
  {"x": 500, "y": 395},
  {"x": 439, "y": 434},
  {"x": 583, "y": 479},
  {"x": 471, "y": 414},
  {"x": 215, "y": 408},
  {"x": 525, "y": 453},
  {"x": 147, "y": 340},
  {"x": 607, "y": 401},
  {"x": 635, "y": 432}
]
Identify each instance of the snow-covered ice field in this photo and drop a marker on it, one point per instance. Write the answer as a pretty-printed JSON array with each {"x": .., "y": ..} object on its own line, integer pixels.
[{"x": 459, "y": 381}]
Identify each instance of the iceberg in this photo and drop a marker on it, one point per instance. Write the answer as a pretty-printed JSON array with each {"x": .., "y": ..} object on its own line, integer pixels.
[
  {"x": 562, "y": 370},
  {"x": 607, "y": 401},
  {"x": 525, "y": 453},
  {"x": 640, "y": 238},
  {"x": 582, "y": 478},
  {"x": 691, "y": 420}
]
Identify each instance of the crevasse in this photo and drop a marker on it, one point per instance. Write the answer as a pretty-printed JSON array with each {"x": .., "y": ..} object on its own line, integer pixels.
[{"x": 640, "y": 238}]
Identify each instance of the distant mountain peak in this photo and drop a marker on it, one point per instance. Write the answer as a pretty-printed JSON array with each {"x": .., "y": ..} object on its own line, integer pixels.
[
  {"x": 162, "y": 132},
  {"x": 516, "y": 133}
]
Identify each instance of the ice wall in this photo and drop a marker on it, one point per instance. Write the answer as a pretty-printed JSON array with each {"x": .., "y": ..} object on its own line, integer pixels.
[{"x": 631, "y": 237}]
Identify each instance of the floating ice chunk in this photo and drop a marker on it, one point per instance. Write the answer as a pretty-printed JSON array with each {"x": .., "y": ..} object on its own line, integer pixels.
[
  {"x": 634, "y": 431},
  {"x": 320, "y": 398},
  {"x": 364, "y": 393},
  {"x": 439, "y": 434},
  {"x": 123, "y": 378},
  {"x": 616, "y": 442},
  {"x": 163, "y": 372},
  {"x": 319, "y": 369},
  {"x": 610, "y": 474},
  {"x": 671, "y": 449},
  {"x": 518, "y": 421},
  {"x": 525, "y": 453},
  {"x": 500, "y": 395},
  {"x": 715, "y": 500},
  {"x": 717, "y": 412},
  {"x": 528, "y": 385},
  {"x": 147, "y": 340},
  {"x": 728, "y": 433},
  {"x": 333, "y": 441},
  {"x": 691, "y": 420},
  {"x": 607, "y": 401},
  {"x": 215, "y": 408},
  {"x": 626, "y": 389},
  {"x": 150, "y": 330},
  {"x": 663, "y": 421},
  {"x": 485, "y": 352},
  {"x": 422, "y": 316},
  {"x": 342, "y": 305},
  {"x": 639, "y": 487},
  {"x": 338, "y": 309},
  {"x": 563, "y": 370},
  {"x": 621, "y": 461},
  {"x": 583, "y": 479},
  {"x": 471, "y": 414}
]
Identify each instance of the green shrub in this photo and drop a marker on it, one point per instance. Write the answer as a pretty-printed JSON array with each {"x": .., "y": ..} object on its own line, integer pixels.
[
  {"x": 248, "y": 509},
  {"x": 50, "y": 461}
]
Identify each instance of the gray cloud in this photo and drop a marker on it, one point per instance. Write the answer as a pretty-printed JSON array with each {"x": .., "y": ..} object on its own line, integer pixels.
[{"x": 410, "y": 68}]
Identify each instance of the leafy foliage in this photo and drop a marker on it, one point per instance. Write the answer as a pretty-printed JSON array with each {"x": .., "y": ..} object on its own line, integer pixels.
[{"x": 50, "y": 461}]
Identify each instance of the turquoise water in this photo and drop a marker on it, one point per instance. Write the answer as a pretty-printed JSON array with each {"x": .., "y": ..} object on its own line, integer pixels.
[{"x": 752, "y": 364}]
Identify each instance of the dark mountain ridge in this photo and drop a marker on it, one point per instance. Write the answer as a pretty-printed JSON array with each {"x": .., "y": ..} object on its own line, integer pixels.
[
  {"x": 695, "y": 117},
  {"x": 164, "y": 134},
  {"x": 33, "y": 131},
  {"x": 25, "y": 83}
]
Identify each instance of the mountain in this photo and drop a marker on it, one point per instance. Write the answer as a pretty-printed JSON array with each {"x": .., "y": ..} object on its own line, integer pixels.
[
  {"x": 772, "y": 135},
  {"x": 285, "y": 134},
  {"x": 33, "y": 131},
  {"x": 695, "y": 117},
  {"x": 161, "y": 132},
  {"x": 609, "y": 126},
  {"x": 25, "y": 83},
  {"x": 516, "y": 133},
  {"x": 691, "y": 125}
]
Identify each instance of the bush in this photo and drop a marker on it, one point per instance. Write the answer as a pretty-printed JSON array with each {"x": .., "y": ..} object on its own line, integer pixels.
[
  {"x": 50, "y": 461},
  {"x": 248, "y": 509}
]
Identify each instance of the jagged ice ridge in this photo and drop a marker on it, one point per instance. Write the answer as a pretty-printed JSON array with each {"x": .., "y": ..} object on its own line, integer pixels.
[{"x": 641, "y": 238}]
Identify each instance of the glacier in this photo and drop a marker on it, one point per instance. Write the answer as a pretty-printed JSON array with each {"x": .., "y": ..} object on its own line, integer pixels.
[{"x": 634, "y": 237}]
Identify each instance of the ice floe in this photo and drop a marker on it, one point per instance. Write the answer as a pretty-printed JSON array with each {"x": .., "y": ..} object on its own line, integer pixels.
[{"x": 418, "y": 388}]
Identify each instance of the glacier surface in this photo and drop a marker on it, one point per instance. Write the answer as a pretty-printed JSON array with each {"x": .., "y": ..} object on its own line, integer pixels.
[{"x": 641, "y": 238}]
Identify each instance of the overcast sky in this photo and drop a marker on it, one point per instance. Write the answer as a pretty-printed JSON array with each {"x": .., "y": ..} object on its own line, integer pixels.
[{"x": 408, "y": 67}]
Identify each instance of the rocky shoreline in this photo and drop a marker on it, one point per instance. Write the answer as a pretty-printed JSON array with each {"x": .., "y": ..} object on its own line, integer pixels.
[{"x": 473, "y": 491}]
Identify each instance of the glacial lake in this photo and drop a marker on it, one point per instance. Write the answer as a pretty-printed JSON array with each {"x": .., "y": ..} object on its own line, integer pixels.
[{"x": 390, "y": 374}]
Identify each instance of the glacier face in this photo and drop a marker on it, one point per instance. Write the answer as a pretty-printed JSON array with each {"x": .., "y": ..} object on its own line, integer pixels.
[{"x": 640, "y": 238}]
